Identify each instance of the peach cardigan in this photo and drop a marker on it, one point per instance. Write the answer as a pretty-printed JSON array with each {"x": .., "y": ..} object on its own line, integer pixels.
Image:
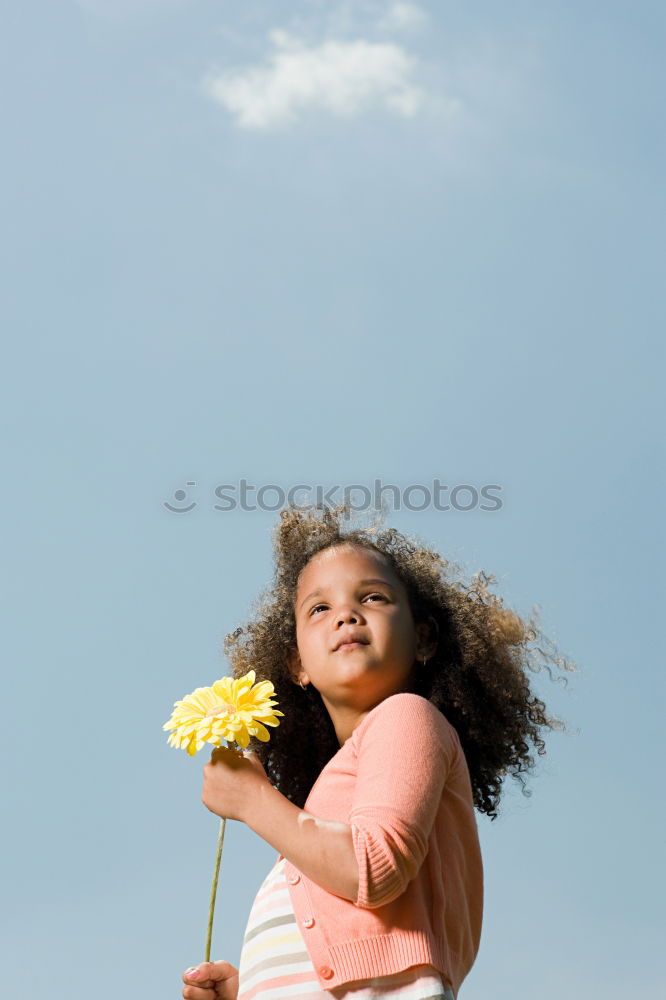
[{"x": 401, "y": 782}]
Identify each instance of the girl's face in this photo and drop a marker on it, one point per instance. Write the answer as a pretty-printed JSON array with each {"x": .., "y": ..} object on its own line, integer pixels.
[{"x": 351, "y": 593}]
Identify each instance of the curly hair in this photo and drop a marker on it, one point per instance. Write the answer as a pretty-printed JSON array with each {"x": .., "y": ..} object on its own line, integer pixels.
[{"x": 477, "y": 676}]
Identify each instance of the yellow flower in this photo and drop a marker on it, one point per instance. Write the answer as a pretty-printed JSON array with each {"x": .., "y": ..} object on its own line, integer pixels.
[{"x": 232, "y": 710}]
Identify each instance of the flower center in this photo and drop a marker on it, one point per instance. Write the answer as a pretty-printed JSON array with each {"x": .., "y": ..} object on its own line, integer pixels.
[{"x": 220, "y": 708}]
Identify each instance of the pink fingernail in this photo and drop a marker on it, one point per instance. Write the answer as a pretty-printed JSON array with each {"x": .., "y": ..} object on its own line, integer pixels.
[{"x": 192, "y": 973}]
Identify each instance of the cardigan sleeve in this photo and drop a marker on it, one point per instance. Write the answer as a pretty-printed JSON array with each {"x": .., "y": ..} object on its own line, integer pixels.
[{"x": 405, "y": 749}]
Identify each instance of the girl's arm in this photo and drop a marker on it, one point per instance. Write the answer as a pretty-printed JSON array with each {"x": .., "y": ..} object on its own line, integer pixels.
[
  {"x": 236, "y": 786},
  {"x": 321, "y": 849}
]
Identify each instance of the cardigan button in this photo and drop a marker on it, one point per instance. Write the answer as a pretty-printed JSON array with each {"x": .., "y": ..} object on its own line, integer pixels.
[
  {"x": 294, "y": 879},
  {"x": 325, "y": 972},
  {"x": 308, "y": 922}
]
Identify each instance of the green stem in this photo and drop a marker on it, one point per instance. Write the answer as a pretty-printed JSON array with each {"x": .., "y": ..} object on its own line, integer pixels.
[{"x": 213, "y": 891}]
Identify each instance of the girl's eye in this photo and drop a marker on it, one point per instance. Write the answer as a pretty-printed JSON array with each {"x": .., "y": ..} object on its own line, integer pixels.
[{"x": 368, "y": 596}]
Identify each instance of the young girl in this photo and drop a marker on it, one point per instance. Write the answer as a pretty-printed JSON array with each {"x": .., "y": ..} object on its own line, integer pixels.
[{"x": 406, "y": 702}]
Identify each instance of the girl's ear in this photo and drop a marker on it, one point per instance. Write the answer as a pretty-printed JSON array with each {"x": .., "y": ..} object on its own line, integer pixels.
[
  {"x": 427, "y": 634},
  {"x": 294, "y": 664}
]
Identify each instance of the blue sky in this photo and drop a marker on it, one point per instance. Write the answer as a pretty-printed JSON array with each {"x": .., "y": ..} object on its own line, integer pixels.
[{"x": 324, "y": 243}]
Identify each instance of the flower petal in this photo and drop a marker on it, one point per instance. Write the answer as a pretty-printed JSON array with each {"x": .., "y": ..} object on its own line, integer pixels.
[{"x": 260, "y": 732}]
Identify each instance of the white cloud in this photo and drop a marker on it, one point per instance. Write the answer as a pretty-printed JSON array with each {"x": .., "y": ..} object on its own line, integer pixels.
[
  {"x": 403, "y": 15},
  {"x": 344, "y": 78}
]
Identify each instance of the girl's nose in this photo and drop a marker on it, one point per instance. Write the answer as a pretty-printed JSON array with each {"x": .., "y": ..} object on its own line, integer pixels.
[{"x": 348, "y": 615}]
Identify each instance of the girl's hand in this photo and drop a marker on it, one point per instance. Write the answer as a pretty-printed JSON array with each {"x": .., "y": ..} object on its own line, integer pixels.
[
  {"x": 231, "y": 779},
  {"x": 211, "y": 981}
]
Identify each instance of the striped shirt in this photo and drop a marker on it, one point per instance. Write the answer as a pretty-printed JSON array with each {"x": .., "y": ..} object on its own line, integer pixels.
[{"x": 275, "y": 964}]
